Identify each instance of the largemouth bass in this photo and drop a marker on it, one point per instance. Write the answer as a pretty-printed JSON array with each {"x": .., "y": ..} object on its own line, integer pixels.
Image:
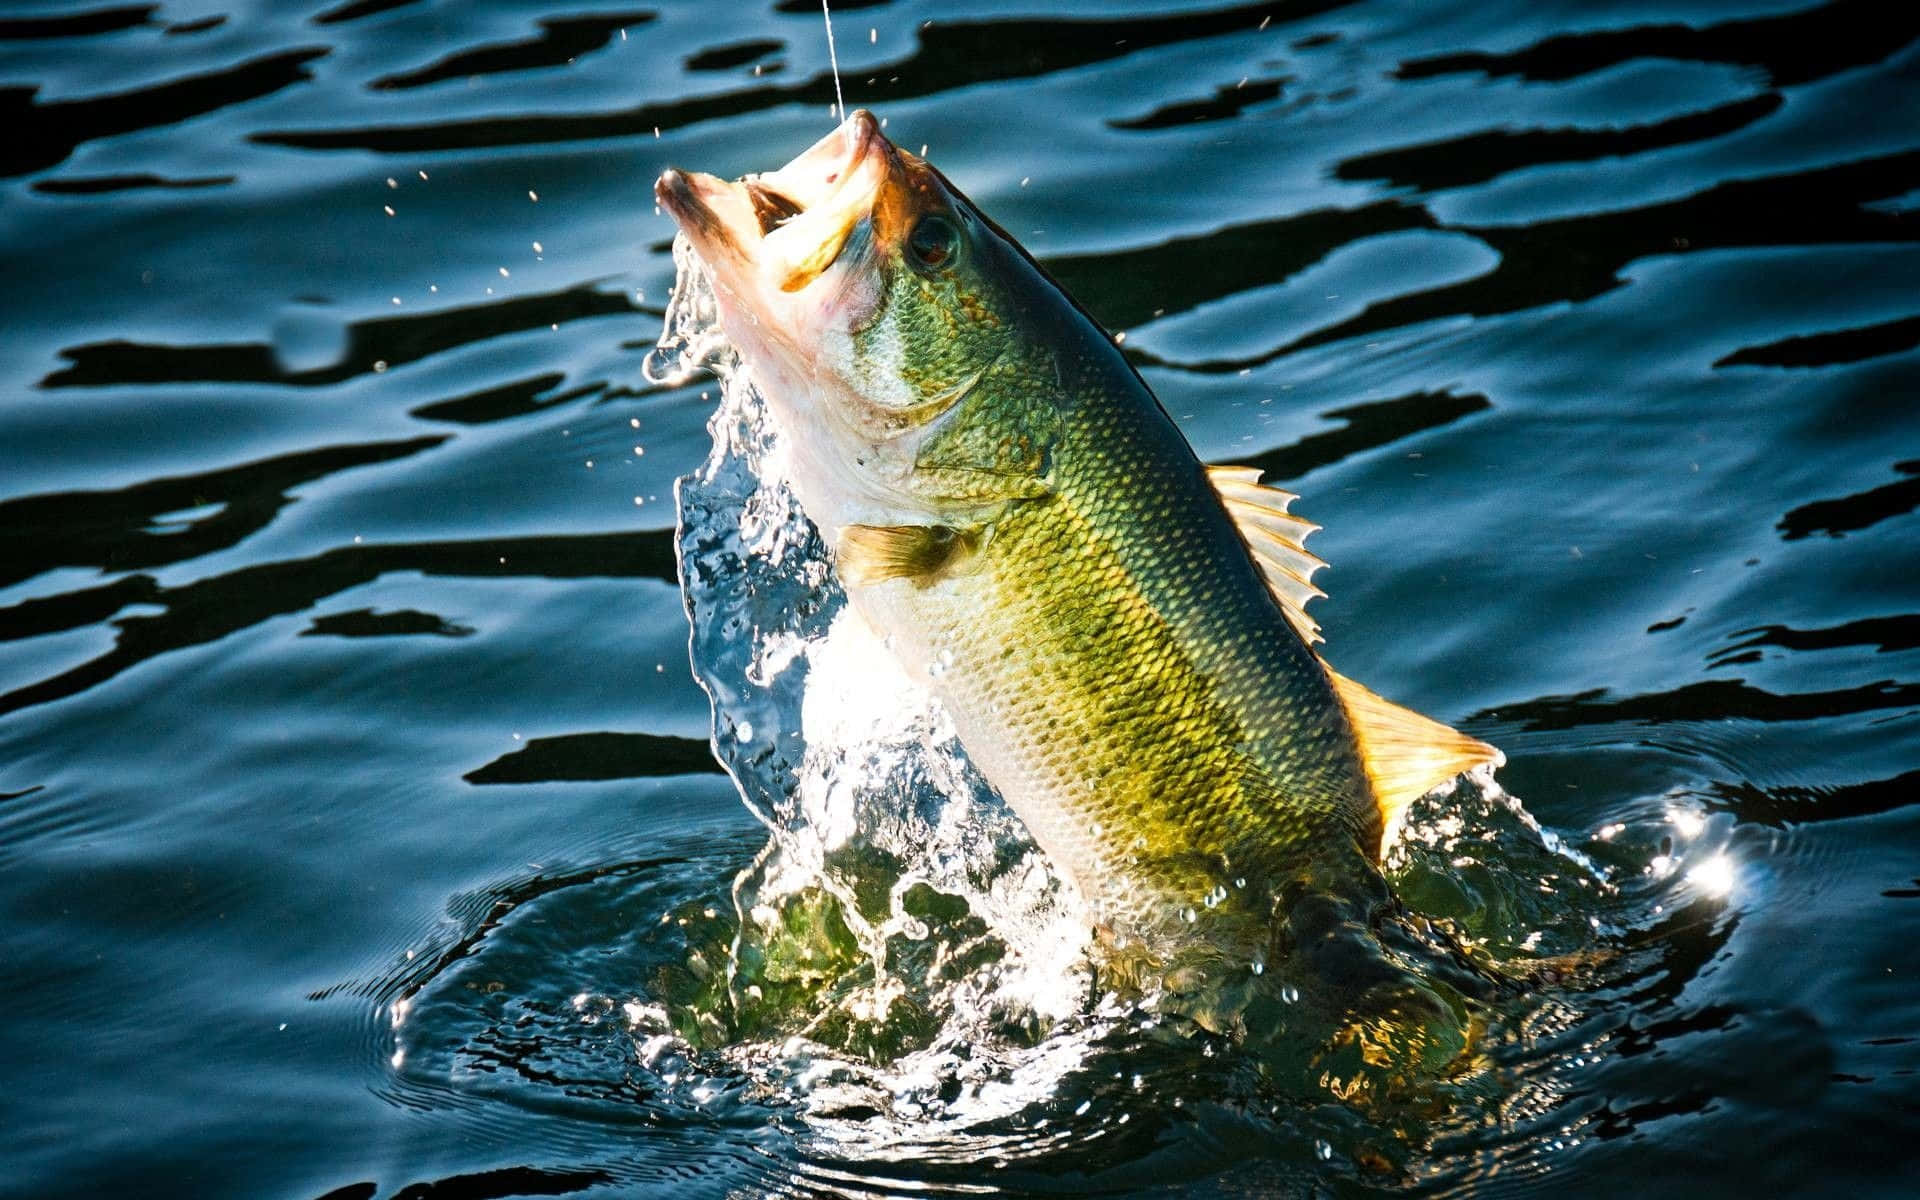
[{"x": 1117, "y": 630}]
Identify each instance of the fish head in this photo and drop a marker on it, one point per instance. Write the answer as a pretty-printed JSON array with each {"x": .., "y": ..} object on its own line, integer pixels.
[{"x": 868, "y": 300}]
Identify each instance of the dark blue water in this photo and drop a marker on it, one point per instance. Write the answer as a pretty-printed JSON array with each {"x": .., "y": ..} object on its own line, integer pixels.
[{"x": 355, "y": 800}]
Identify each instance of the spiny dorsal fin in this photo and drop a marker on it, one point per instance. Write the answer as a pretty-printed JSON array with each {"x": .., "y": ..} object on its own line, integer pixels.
[
  {"x": 875, "y": 553},
  {"x": 1405, "y": 754},
  {"x": 1277, "y": 539}
]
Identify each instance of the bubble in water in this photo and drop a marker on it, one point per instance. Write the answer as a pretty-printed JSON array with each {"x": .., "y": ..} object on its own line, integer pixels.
[{"x": 308, "y": 338}]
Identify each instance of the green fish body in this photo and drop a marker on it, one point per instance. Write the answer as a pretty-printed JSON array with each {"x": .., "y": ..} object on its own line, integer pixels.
[{"x": 1116, "y": 629}]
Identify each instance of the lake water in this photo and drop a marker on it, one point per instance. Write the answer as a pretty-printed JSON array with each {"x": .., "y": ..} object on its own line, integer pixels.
[{"x": 357, "y": 813}]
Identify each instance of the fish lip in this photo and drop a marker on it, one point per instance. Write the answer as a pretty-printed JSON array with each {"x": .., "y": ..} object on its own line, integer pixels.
[
  {"x": 686, "y": 198},
  {"x": 816, "y": 173},
  {"x": 835, "y": 178},
  {"x": 673, "y": 191}
]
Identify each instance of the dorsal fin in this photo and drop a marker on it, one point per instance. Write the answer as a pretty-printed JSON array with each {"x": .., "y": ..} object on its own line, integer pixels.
[
  {"x": 1277, "y": 539},
  {"x": 1405, "y": 754}
]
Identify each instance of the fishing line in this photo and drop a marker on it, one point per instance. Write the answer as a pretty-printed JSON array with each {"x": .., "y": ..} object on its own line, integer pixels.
[{"x": 833, "y": 60}]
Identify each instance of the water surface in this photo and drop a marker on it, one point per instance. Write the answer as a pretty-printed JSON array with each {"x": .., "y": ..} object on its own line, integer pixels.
[{"x": 350, "y": 755}]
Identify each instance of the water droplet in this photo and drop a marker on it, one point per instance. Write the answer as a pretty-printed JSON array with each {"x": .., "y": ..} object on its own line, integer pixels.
[
  {"x": 1322, "y": 1150},
  {"x": 1290, "y": 993}
]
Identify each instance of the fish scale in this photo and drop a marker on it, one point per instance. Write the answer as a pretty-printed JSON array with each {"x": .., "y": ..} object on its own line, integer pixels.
[{"x": 1118, "y": 668}]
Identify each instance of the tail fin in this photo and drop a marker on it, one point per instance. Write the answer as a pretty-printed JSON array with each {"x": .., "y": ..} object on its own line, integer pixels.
[{"x": 1405, "y": 754}]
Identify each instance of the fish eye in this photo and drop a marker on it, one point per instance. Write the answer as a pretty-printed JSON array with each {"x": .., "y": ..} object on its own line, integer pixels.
[{"x": 933, "y": 242}]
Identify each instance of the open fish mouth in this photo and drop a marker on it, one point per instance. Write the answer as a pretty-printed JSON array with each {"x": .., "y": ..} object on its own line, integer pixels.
[{"x": 783, "y": 229}]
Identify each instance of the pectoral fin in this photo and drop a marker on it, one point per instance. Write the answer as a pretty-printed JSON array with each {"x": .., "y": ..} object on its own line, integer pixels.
[
  {"x": 876, "y": 553},
  {"x": 1405, "y": 754}
]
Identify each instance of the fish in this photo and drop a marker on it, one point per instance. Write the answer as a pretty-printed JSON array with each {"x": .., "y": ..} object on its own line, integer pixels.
[{"x": 1117, "y": 630}]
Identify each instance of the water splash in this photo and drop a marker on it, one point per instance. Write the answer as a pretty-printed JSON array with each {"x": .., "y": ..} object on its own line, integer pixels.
[
  {"x": 901, "y": 968},
  {"x": 900, "y": 937}
]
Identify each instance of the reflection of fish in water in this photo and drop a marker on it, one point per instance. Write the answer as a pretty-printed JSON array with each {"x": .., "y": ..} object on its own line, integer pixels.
[{"x": 1117, "y": 630}]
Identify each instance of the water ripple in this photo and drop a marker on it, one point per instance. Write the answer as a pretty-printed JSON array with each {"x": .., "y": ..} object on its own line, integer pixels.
[{"x": 341, "y": 658}]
